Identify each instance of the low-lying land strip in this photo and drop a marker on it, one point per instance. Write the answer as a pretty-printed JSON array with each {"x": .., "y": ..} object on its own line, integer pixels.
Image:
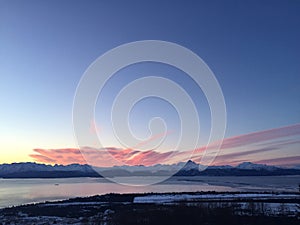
[{"x": 167, "y": 208}]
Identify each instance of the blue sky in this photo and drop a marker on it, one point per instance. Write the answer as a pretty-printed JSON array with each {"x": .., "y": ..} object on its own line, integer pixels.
[{"x": 45, "y": 46}]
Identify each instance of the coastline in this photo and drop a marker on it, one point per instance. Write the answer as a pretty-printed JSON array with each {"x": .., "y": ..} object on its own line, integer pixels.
[
  {"x": 25, "y": 191},
  {"x": 109, "y": 208}
]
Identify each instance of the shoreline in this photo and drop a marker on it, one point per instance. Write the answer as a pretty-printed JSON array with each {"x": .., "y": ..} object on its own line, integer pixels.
[
  {"x": 113, "y": 206},
  {"x": 26, "y": 191}
]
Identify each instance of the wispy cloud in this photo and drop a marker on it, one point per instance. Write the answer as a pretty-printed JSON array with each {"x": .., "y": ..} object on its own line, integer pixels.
[
  {"x": 100, "y": 157},
  {"x": 234, "y": 150},
  {"x": 221, "y": 159},
  {"x": 283, "y": 161},
  {"x": 260, "y": 136}
]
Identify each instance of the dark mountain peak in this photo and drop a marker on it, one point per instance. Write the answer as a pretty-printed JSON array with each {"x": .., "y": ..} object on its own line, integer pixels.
[
  {"x": 190, "y": 162},
  {"x": 191, "y": 165}
]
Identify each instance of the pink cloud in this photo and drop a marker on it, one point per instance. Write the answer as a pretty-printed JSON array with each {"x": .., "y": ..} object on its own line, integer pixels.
[
  {"x": 99, "y": 157},
  {"x": 283, "y": 161},
  {"x": 261, "y": 136},
  {"x": 265, "y": 141},
  {"x": 59, "y": 156}
]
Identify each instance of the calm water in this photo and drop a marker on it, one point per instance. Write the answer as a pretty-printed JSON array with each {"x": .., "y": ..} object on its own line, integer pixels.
[{"x": 21, "y": 191}]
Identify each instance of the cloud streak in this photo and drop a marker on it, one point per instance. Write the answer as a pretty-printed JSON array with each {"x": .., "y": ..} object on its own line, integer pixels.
[
  {"x": 261, "y": 136},
  {"x": 232, "y": 151},
  {"x": 100, "y": 157}
]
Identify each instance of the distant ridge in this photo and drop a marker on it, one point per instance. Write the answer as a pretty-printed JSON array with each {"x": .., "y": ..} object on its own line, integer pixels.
[
  {"x": 36, "y": 170},
  {"x": 243, "y": 169},
  {"x": 190, "y": 168}
]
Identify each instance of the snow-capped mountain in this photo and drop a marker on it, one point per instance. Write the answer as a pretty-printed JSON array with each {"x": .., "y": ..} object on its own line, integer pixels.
[
  {"x": 190, "y": 165},
  {"x": 253, "y": 166},
  {"x": 29, "y": 169},
  {"x": 153, "y": 169},
  {"x": 243, "y": 169},
  {"x": 190, "y": 168},
  {"x": 29, "y": 166}
]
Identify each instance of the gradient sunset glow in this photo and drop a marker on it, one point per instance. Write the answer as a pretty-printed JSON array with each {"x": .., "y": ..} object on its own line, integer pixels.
[
  {"x": 252, "y": 49},
  {"x": 275, "y": 147}
]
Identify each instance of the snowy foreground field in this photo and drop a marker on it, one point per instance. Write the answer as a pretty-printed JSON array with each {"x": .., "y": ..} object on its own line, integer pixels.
[{"x": 167, "y": 208}]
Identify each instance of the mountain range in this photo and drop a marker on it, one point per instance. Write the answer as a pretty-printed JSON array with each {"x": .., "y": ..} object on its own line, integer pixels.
[{"x": 190, "y": 168}]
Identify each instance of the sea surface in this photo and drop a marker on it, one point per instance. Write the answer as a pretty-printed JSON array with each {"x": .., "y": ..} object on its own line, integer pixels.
[{"x": 23, "y": 191}]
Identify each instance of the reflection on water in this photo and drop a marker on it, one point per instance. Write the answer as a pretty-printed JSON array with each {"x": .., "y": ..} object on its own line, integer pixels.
[{"x": 21, "y": 191}]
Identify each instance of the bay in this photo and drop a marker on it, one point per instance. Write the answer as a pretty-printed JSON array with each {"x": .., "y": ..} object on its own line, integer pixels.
[{"x": 24, "y": 191}]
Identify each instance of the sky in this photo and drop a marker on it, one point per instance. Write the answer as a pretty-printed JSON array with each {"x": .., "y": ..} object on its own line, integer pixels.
[{"x": 252, "y": 47}]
